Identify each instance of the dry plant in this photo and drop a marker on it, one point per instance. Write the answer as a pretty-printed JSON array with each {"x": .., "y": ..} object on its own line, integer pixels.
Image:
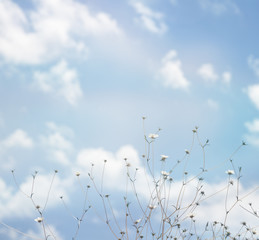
[{"x": 162, "y": 208}]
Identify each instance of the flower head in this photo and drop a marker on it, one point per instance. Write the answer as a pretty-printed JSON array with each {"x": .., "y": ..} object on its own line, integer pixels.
[
  {"x": 137, "y": 221},
  {"x": 153, "y": 136},
  {"x": 163, "y": 157},
  {"x": 151, "y": 207},
  {"x": 38, "y": 219},
  {"x": 77, "y": 174},
  {"x": 164, "y": 173},
  {"x": 230, "y": 172}
]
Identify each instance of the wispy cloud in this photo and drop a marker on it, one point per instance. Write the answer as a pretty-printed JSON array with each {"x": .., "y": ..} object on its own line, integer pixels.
[
  {"x": 207, "y": 72},
  {"x": 253, "y": 90},
  {"x": 19, "y": 138},
  {"x": 253, "y": 132},
  {"x": 153, "y": 21},
  {"x": 253, "y": 126},
  {"x": 253, "y": 94},
  {"x": 213, "y": 104},
  {"x": 226, "y": 77},
  {"x": 171, "y": 72},
  {"x": 57, "y": 143},
  {"x": 115, "y": 169},
  {"x": 52, "y": 26},
  {"x": 253, "y": 63},
  {"x": 15, "y": 204},
  {"x": 219, "y": 7},
  {"x": 61, "y": 81},
  {"x": 36, "y": 234}
]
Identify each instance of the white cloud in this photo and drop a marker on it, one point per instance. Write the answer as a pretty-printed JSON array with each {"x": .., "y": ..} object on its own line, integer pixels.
[
  {"x": 253, "y": 90},
  {"x": 219, "y": 7},
  {"x": 253, "y": 63},
  {"x": 253, "y": 136},
  {"x": 41, "y": 34},
  {"x": 213, "y": 104},
  {"x": 253, "y": 126},
  {"x": 115, "y": 169},
  {"x": 61, "y": 81},
  {"x": 171, "y": 72},
  {"x": 151, "y": 20},
  {"x": 207, "y": 72},
  {"x": 253, "y": 94},
  {"x": 57, "y": 143},
  {"x": 226, "y": 77},
  {"x": 12, "y": 234},
  {"x": 18, "y": 138},
  {"x": 15, "y": 204}
]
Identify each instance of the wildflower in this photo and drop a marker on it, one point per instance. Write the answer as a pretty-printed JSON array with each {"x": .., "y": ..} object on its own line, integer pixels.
[
  {"x": 187, "y": 151},
  {"x": 77, "y": 174},
  {"x": 137, "y": 221},
  {"x": 38, "y": 219},
  {"x": 230, "y": 172},
  {"x": 153, "y": 136},
  {"x": 128, "y": 165},
  {"x": 191, "y": 215},
  {"x": 151, "y": 207},
  {"x": 163, "y": 157},
  {"x": 164, "y": 173},
  {"x": 37, "y": 206}
]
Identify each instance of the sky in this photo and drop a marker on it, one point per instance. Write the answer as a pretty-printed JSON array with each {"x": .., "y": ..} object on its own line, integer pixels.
[{"x": 77, "y": 77}]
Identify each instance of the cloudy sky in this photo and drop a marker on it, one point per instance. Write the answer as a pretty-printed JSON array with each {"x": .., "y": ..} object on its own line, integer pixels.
[{"x": 77, "y": 76}]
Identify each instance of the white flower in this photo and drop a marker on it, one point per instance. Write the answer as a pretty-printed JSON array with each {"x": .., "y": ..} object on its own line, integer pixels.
[
  {"x": 230, "y": 172},
  {"x": 38, "y": 219},
  {"x": 77, "y": 174},
  {"x": 137, "y": 221},
  {"x": 151, "y": 207},
  {"x": 164, "y": 173},
  {"x": 153, "y": 136},
  {"x": 191, "y": 215},
  {"x": 163, "y": 157}
]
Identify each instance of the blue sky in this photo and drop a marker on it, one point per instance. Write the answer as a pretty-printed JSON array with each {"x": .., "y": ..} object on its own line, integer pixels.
[{"x": 77, "y": 76}]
